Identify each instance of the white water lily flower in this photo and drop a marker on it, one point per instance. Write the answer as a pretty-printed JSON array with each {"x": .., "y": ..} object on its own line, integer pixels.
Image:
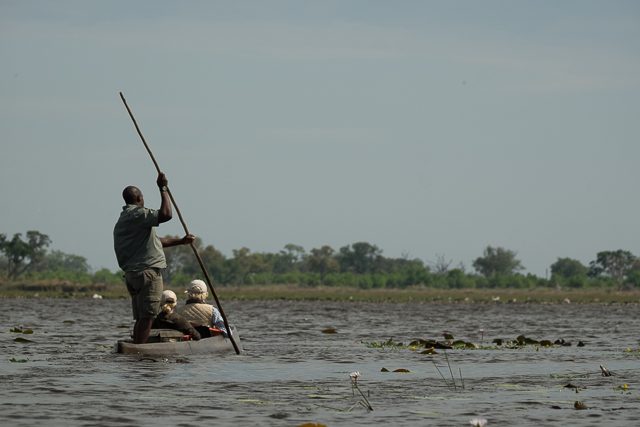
[
  {"x": 354, "y": 376},
  {"x": 478, "y": 422}
]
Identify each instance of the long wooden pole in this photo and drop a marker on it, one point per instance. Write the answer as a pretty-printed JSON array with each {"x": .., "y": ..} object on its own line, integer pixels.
[{"x": 186, "y": 230}]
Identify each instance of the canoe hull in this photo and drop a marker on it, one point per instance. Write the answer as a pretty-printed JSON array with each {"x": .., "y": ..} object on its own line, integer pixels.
[{"x": 174, "y": 347}]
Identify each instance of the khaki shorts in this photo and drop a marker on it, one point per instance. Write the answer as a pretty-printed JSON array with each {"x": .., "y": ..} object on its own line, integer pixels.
[{"x": 145, "y": 288}]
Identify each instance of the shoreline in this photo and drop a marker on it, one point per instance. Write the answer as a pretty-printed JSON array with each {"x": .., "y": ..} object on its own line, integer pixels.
[
  {"x": 324, "y": 293},
  {"x": 427, "y": 295}
]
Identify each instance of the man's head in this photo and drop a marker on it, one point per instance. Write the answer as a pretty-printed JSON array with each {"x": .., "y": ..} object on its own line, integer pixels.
[{"x": 133, "y": 196}]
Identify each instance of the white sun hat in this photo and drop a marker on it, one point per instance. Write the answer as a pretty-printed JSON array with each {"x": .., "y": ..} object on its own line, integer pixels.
[
  {"x": 168, "y": 296},
  {"x": 197, "y": 287}
]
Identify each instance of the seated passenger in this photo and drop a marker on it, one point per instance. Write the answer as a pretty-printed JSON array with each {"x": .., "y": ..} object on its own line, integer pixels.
[
  {"x": 196, "y": 310},
  {"x": 169, "y": 319}
]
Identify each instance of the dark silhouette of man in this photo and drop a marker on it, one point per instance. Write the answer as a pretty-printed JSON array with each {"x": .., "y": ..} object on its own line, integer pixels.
[{"x": 140, "y": 253}]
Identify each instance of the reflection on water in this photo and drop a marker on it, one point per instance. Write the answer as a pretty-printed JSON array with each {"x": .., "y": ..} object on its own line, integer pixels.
[{"x": 293, "y": 373}]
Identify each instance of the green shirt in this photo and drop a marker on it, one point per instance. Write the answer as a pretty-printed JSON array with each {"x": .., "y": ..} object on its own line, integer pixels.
[{"x": 135, "y": 241}]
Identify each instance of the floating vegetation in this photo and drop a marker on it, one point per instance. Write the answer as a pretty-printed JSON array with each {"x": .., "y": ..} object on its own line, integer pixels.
[
  {"x": 522, "y": 341},
  {"x": 330, "y": 331},
  {"x": 623, "y": 387},
  {"x": 14, "y": 360},
  {"x": 69, "y": 322},
  {"x": 279, "y": 415},
  {"x": 579, "y": 405},
  {"x": 384, "y": 369},
  {"x": 460, "y": 344},
  {"x": 570, "y": 376},
  {"x": 402, "y": 371},
  {"x": 22, "y": 340},
  {"x": 19, "y": 330},
  {"x": 573, "y": 387},
  {"x": 311, "y": 425},
  {"x": 429, "y": 346},
  {"x": 415, "y": 344},
  {"x": 386, "y": 344}
]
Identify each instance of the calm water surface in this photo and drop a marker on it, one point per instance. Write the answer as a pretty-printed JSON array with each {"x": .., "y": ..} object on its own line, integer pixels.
[{"x": 292, "y": 372}]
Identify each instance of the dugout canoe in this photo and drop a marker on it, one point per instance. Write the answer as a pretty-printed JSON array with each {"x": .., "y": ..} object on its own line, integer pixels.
[{"x": 168, "y": 342}]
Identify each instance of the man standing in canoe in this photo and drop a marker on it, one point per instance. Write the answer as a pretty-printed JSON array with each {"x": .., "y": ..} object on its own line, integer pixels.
[{"x": 140, "y": 255}]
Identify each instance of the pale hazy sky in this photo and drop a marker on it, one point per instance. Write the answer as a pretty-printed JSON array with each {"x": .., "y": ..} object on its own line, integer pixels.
[{"x": 423, "y": 127}]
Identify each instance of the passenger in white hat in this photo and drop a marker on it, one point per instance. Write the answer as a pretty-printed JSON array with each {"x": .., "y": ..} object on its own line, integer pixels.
[
  {"x": 169, "y": 319},
  {"x": 197, "y": 311}
]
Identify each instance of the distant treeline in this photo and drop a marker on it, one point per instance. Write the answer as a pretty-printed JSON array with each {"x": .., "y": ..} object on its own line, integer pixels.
[{"x": 360, "y": 264}]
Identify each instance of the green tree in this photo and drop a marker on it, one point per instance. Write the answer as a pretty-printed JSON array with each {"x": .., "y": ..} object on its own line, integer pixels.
[
  {"x": 456, "y": 278},
  {"x": 23, "y": 255},
  {"x": 569, "y": 272},
  {"x": 180, "y": 259},
  {"x": 60, "y": 261},
  {"x": 215, "y": 262},
  {"x": 497, "y": 262},
  {"x": 104, "y": 275},
  {"x": 568, "y": 268},
  {"x": 360, "y": 258},
  {"x": 288, "y": 259},
  {"x": 322, "y": 261},
  {"x": 614, "y": 264},
  {"x": 244, "y": 264},
  {"x": 633, "y": 275}
]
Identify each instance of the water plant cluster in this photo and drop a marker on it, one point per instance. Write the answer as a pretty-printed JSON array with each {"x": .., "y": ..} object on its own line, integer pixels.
[
  {"x": 23, "y": 331},
  {"x": 430, "y": 346}
]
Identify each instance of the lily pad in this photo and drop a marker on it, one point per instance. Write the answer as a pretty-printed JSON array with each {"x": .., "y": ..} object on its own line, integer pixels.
[
  {"x": 14, "y": 360},
  {"x": 329, "y": 331},
  {"x": 402, "y": 370},
  {"x": 386, "y": 344},
  {"x": 22, "y": 340},
  {"x": 21, "y": 331},
  {"x": 279, "y": 415},
  {"x": 461, "y": 344},
  {"x": 579, "y": 405},
  {"x": 522, "y": 340}
]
